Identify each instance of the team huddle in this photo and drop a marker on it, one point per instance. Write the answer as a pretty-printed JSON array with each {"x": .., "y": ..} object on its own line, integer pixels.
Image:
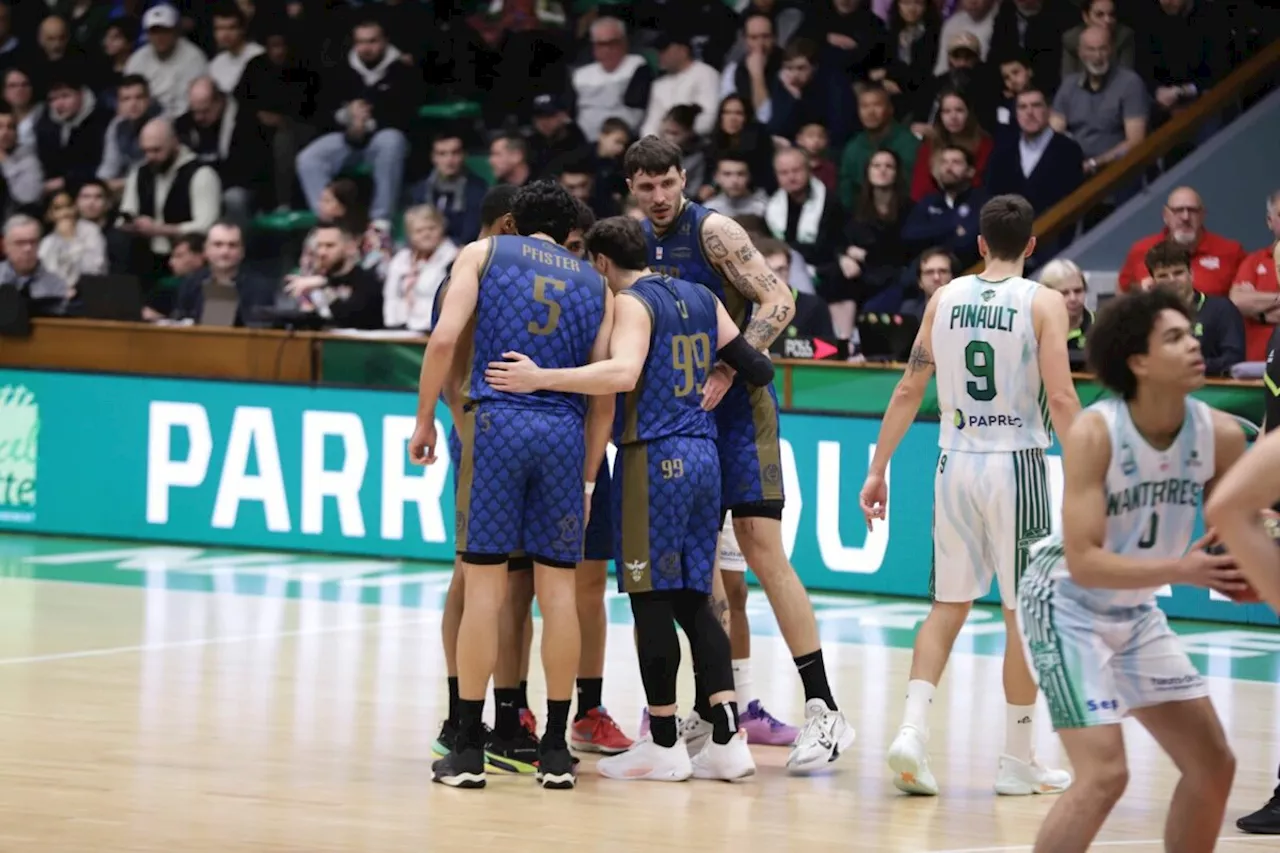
[{"x": 652, "y": 337}]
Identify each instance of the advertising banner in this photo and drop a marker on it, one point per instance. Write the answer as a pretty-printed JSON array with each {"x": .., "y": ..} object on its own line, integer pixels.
[{"x": 325, "y": 469}]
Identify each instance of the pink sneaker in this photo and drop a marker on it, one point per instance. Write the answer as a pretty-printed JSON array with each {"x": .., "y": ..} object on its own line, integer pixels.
[{"x": 764, "y": 729}]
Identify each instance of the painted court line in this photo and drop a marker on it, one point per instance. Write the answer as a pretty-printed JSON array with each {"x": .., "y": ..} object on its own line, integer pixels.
[
  {"x": 1026, "y": 848},
  {"x": 211, "y": 641}
]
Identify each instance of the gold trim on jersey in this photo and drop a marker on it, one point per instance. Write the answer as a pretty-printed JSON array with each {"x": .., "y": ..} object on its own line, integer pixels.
[
  {"x": 764, "y": 417},
  {"x": 464, "y": 477},
  {"x": 636, "y": 567}
]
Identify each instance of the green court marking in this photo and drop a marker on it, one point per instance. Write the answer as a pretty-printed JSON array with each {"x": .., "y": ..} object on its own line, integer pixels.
[{"x": 1229, "y": 651}]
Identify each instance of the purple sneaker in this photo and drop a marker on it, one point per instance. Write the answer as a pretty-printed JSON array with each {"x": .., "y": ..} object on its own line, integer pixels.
[
  {"x": 644, "y": 722},
  {"x": 764, "y": 729}
]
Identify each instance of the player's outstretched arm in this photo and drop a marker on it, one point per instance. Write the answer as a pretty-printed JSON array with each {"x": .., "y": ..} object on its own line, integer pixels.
[
  {"x": 1235, "y": 507},
  {"x": 732, "y": 348},
  {"x": 1052, "y": 325},
  {"x": 899, "y": 415},
  {"x": 628, "y": 348},
  {"x": 730, "y": 250},
  {"x": 1086, "y": 455},
  {"x": 600, "y": 406},
  {"x": 437, "y": 362}
]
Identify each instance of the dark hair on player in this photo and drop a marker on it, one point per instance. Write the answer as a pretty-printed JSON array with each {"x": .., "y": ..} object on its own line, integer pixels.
[
  {"x": 1167, "y": 254},
  {"x": 1121, "y": 329},
  {"x": 586, "y": 216},
  {"x": 651, "y": 155},
  {"x": 621, "y": 240},
  {"x": 544, "y": 207},
  {"x": 1005, "y": 223},
  {"x": 496, "y": 204}
]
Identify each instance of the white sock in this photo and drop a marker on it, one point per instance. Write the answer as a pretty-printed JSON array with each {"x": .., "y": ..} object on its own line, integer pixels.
[
  {"x": 919, "y": 698},
  {"x": 742, "y": 681},
  {"x": 1019, "y": 730}
]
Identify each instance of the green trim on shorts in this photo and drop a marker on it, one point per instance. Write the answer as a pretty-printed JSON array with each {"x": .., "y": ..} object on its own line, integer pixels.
[
  {"x": 1067, "y": 709},
  {"x": 1031, "y": 508}
]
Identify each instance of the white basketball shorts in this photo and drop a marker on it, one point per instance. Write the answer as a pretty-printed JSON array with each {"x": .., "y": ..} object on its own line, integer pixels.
[
  {"x": 729, "y": 555},
  {"x": 988, "y": 510}
]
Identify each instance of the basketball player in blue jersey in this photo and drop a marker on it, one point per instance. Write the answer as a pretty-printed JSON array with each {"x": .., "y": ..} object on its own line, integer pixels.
[
  {"x": 689, "y": 242},
  {"x": 667, "y": 490},
  {"x": 522, "y": 483},
  {"x": 511, "y": 747},
  {"x": 1136, "y": 469}
]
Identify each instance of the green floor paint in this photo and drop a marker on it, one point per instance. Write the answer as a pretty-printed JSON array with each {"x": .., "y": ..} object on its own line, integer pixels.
[{"x": 1227, "y": 651}]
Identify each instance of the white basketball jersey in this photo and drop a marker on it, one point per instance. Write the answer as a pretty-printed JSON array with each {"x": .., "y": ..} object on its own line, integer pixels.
[
  {"x": 1153, "y": 496},
  {"x": 986, "y": 358}
]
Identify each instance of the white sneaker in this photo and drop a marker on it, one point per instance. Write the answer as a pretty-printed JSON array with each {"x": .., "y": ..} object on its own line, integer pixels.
[
  {"x": 1020, "y": 779},
  {"x": 910, "y": 764},
  {"x": 695, "y": 731},
  {"x": 646, "y": 761},
  {"x": 726, "y": 761},
  {"x": 825, "y": 735}
]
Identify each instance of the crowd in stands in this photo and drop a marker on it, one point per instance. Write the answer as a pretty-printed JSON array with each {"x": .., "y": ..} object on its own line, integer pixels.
[{"x": 858, "y": 139}]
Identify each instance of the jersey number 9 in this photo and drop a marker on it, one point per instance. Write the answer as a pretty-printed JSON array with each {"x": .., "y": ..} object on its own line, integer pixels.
[
  {"x": 691, "y": 359},
  {"x": 540, "y": 285},
  {"x": 980, "y": 360}
]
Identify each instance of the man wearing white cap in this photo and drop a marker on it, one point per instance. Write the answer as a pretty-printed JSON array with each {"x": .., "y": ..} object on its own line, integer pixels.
[{"x": 169, "y": 62}]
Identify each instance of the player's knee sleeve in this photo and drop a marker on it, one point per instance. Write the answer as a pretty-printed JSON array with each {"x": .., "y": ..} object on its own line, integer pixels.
[
  {"x": 657, "y": 646},
  {"x": 712, "y": 656}
]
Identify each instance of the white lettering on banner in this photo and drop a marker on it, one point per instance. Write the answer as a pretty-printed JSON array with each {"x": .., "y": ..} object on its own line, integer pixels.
[
  {"x": 343, "y": 485},
  {"x": 794, "y": 503},
  {"x": 399, "y": 488},
  {"x": 837, "y": 556},
  {"x": 252, "y": 429},
  {"x": 163, "y": 471}
]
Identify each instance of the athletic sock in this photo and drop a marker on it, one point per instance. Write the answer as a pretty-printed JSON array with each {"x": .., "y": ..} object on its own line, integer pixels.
[
  {"x": 663, "y": 730},
  {"x": 724, "y": 722},
  {"x": 557, "y": 722},
  {"x": 453, "y": 698},
  {"x": 470, "y": 725},
  {"x": 524, "y": 695},
  {"x": 506, "y": 719},
  {"x": 1019, "y": 731},
  {"x": 919, "y": 698},
  {"x": 813, "y": 675},
  {"x": 742, "y": 680},
  {"x": 589, "y": 692}
]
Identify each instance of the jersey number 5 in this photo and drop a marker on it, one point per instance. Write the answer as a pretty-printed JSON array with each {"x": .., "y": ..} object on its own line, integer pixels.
[
  {"x": 691, "y": 359},
  {"x": 540, "y": 285},
  {"x": 980, "y": 361}
]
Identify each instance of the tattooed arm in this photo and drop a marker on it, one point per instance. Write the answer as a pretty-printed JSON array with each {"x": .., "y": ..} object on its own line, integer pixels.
[
  {"x": 899, "y": 415},
  {"x": 727, "y": 246}
]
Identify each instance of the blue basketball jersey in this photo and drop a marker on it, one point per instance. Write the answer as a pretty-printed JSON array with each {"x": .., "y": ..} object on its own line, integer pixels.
[
  {"x": 682, "y": 350},
  {"x": 535, "y": 298},
  {"x": 679, "y": 254}
]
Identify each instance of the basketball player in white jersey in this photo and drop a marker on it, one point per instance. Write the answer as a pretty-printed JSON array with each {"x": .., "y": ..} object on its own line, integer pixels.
[
  {"x": 1136, "y": 469},
  {"x": 998, "y": 344}
]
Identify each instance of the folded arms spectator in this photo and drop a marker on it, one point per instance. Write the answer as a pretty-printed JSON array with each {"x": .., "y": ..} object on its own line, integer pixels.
[
  {"x": 1103, "y": 108},
  {"x": 342, "y": 292},
  {"x": 615, "y": 85},
  {"x": 1255, "y": 286}
]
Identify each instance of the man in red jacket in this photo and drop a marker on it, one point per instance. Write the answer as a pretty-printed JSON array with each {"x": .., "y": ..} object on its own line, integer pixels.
[
  {"x": 1254, "y": 290},
  {"x": 1214, "y": 258}
]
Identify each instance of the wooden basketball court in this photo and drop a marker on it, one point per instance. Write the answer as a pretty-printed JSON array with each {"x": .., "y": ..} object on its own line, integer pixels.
[{"x": 181, "y": 700}]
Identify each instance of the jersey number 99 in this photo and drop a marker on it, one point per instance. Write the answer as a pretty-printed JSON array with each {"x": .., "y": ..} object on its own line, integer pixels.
[
  {"x": 690, "y": 358},
  {"x": 540, "y": 285},
  {"x": 980, "y": 361}
]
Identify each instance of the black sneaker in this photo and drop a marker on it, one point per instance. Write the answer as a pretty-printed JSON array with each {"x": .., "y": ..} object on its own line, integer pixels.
[
  {"x": 556, "y": 768},
  {"x": 463, "y": 769},
  {"x": 1265, "y": 821},
  {"x": 444, "y": 742},
  {"x": 516, "y": 754}
]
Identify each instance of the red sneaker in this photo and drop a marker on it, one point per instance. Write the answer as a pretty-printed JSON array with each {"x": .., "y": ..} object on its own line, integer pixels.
[
  {"x": 597, "y": 732},
  {"x": 529, "y": 722}
]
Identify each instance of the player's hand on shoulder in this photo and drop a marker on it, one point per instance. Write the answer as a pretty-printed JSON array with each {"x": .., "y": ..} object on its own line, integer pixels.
[
  {"x": 874, "y": 498},
  {"x": 716, "y": 386},
  {"x": 515, "y": 374}
]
